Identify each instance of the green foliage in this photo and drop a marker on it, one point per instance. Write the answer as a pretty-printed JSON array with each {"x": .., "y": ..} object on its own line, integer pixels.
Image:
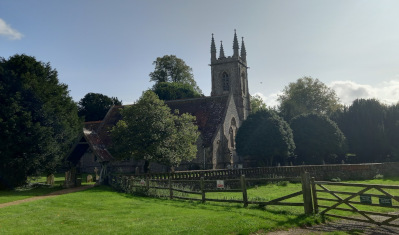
[
  {"x": 392, "y": 132},
  {"x": 94, "y": 106},
  {"x": 265, "y": 138},
  {"x": 307, "y": 95},
  {"x": 379, "y": 176},
  {"x": 38, "y": 119},
  {"x": 317, "y": 138},
  {"x": 174, "y": 91},
  {"x": 148, "y": 130},
  {"x": 169, "y": 68},
  {"x": 364, "y": 126},
  {"x": 336, "y": 179},
  {"x": 257, "y": 104}
]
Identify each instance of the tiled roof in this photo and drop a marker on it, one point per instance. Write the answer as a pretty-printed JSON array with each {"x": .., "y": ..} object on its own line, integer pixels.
[
  {"x": 208, "y": 111},
  {"x": 96, "y": 144}
]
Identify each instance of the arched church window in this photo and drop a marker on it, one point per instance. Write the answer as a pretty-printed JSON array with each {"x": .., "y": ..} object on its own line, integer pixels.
[{"x": 225, "y": 81}]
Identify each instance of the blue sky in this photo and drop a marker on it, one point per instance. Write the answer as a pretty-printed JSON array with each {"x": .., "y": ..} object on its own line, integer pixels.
[{"x": 108, "y": 46}]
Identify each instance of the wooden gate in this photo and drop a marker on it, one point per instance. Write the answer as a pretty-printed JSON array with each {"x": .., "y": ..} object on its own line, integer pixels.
[{"x": 358, "y": 199}]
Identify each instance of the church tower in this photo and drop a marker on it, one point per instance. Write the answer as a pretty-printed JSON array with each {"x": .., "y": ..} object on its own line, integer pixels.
[{"x": 230, "y": 76}]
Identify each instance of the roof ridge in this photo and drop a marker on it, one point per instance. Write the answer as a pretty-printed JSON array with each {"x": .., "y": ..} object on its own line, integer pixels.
[{"x": 189, "y": 99}]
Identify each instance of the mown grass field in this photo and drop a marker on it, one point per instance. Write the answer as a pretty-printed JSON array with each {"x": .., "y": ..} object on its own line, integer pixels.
[{"x": 101, "y": 210}]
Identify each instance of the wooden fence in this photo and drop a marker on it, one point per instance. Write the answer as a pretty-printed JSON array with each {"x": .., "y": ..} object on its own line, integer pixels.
[
  {"x": 320, "y": 172},
  {"x": 356, "y": 201},
  {"x": 133, "y": 184}
]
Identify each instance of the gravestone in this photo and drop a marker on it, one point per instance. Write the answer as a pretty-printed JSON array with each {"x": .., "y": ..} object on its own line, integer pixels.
[
  {"x": 71, "y": 179},
  {"x": 96, "y": 172},
  {"x": 89, "y": 178},
  {"x": 50, "y": 179}
]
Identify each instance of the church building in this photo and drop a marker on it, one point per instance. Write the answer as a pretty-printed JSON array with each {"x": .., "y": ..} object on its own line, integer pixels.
[{"x": 218, "y": 118}]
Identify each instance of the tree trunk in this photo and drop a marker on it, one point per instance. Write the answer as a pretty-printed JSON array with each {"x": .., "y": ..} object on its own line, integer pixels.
[{"x": 146, "y": 166}]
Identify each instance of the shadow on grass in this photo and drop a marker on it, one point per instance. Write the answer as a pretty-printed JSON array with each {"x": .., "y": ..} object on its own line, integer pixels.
[{"x": 281, "y": 217}]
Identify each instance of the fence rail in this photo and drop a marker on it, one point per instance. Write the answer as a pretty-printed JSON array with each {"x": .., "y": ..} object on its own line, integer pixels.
[
  {"x": 361, "y": 192},
  {"x": 129, "y": 183},
  {"x": 320, "y": 172}
]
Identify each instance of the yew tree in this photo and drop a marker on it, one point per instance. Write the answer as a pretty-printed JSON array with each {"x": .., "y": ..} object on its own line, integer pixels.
[
  {"x": 265, "y": 139},
  {"x": 94, "y": 106},
  {"x": 38, "y": 120},
  {"x": 317, "y": 139}
]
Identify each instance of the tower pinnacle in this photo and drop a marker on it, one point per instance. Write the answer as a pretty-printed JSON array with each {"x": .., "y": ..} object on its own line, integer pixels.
[
  {"x": 235, "y": 45},
  {"x": 221, "y": 53},
  {"x": 213, "y": 50},
  {"x": 243, "y": 51}
]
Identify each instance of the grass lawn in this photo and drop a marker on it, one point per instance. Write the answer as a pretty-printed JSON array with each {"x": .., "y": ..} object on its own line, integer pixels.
[{"x": 101, "y": 210}]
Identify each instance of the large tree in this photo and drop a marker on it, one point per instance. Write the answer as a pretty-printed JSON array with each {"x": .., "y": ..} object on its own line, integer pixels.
[
  {"x": 265, "y": 138},
  {"x": 38, "y": 119},
  {"x": 392, "y": 133},
  {"x": 317, "y": 139},
  {"x": 150, "y": 131},
  {"x": 174, "y": 91},
  {"x": 257, "y": 103},
  {"x": 94, "y": 106},
  {"x": 363, "y": 124},
  {"x": 169, "y": 68},
  {"x": 307, "y": 95}
]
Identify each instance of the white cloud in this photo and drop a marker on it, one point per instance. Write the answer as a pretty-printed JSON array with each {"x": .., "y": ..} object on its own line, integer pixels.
[
  {"x": 270, "y": 100},
  {"x": 387, "y": 92},
  {"x": 7, "y": 31}
]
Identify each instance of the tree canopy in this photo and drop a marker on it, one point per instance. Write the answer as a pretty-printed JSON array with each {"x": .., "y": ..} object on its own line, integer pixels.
[
  {"x": 307, "y": 95},
  {"x": 174, "y": 91},
  {"x": 365, "y": 127},
  {"x": 94, "y": 106},
  {"x": 38, "y": 119},
  {"x": 317, "y": 139},
  {"x": 265, "y": 138},
  {"x": 257, "y": 104},
  {"x": 169, "y": 68},
  {"x": 150, "y": 131}
]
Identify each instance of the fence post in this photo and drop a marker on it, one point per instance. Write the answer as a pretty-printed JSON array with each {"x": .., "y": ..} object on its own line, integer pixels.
[
  {"x": 147, "y": 183},
  {"x": 307, "y": 193},
  {"x": 244, "y": 190},
  {"x": 314, "y": 194},
  {"x": 202, "y": 189},
  {"x": 170, "y": 188}
]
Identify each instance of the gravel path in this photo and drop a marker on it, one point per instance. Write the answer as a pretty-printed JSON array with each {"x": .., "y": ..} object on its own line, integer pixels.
[
  {"x": 349, "y": 226},
  {"x": 53, "y": 194}
]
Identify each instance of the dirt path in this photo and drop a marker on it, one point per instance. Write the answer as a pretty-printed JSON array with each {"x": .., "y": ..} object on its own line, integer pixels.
[{"x": 53, "y": 194}]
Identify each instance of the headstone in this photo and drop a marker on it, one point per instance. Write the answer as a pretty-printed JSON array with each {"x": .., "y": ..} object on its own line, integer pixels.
[
  {"x": 50, "y": 179},
  {"x": 71, "y": 179},
  {"x": 96, "y": 172},
  {"x": 89, "y": 178}
]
